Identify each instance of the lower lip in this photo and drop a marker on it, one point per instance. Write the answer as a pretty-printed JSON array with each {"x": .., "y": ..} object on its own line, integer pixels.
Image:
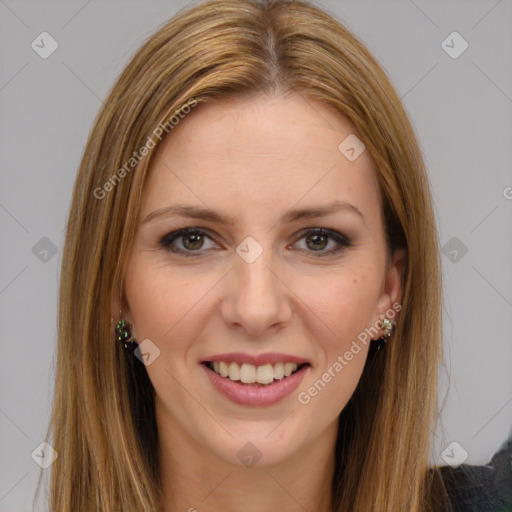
[{"x": 245, "y": 394}]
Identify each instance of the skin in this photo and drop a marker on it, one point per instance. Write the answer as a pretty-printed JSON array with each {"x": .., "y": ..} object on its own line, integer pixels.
[{"x": 256, "y": 159}]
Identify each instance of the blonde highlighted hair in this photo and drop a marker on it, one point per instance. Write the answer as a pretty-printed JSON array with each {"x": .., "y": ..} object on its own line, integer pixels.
[{"x": 103, "y": 425}]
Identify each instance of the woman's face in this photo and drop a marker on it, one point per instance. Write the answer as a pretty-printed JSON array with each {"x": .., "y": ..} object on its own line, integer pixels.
[{"x": 260, "y": 289}]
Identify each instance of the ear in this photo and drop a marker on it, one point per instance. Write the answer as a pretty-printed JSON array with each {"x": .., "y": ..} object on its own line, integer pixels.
[
  {"x": 392, "y": 292},
  {"x": 115, "y": 305},
  {"x": 116, "y": 308}
]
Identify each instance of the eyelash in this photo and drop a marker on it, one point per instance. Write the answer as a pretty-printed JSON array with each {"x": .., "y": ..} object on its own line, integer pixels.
[{"x": 342, "y": 241}]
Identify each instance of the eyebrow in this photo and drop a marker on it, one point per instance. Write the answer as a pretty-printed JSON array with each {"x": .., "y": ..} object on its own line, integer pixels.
[{"x": 200, "y": 213}]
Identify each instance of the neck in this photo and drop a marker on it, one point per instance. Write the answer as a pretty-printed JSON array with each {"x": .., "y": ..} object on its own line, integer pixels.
[{"x": 194, "y": 479}]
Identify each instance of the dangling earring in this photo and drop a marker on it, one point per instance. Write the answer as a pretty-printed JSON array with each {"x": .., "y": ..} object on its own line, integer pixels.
[
  {"x": 381, "y": 342},
  {"x": 124, "y": 334}
]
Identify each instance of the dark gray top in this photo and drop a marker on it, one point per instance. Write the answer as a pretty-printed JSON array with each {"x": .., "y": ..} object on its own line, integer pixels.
[{"x": 486, "y": 488}]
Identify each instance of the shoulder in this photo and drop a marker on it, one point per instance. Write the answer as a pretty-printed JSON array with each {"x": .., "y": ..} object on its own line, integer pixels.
[{"x": 486, "y": 488}]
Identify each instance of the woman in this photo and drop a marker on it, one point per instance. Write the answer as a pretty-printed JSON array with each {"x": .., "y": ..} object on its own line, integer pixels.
[{"x": 251, "y": 280}]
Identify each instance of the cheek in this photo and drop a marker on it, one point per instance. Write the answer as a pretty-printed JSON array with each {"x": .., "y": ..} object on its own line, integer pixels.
[
  {"x": 342, "y": 355},
  {"x": 163, "y": 302},
  {"x": 344, "y": 301}
]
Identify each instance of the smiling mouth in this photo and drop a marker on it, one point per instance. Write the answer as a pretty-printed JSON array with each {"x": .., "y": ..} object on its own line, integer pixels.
[{"x": 252, "y": 375}]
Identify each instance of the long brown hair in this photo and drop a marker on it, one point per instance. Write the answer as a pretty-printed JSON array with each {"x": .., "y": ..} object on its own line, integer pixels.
[{"x": 103, "y": 425}]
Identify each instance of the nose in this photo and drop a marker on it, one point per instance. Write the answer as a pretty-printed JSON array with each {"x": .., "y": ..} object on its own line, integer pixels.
[{"x": 256, "y": 299}]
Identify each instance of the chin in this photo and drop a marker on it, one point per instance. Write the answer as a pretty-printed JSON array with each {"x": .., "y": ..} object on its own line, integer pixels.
[{"x": 257, "y": 445}]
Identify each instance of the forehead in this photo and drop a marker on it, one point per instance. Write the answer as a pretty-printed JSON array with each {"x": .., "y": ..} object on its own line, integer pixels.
[{"x": 261, "y": 152}]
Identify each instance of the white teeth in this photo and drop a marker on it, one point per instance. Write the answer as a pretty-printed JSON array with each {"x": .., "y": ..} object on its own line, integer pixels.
[
  {"x": 278, "y": 371},
  {"x": 265, "y": 374},
  {"x": 223, "y": 369},
  {"x": 288, "y": 369},
  {"x": 249, "y": 374},
  {"x": 234, "y": 371}
]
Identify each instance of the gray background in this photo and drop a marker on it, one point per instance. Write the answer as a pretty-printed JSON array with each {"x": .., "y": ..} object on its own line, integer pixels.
[{"x": 461, "y": 108}]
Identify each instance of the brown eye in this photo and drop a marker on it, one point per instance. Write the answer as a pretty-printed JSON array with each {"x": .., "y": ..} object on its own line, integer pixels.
[
  {"x": 188, "y": 241},
  {"x": 317, "y": 239},
  {"x": 192, "y": 241},
  {"x": 318, "y": 242}
]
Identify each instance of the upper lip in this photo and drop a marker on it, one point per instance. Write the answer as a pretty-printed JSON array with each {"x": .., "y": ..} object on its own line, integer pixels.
[{"x": 256, "y": 360}]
